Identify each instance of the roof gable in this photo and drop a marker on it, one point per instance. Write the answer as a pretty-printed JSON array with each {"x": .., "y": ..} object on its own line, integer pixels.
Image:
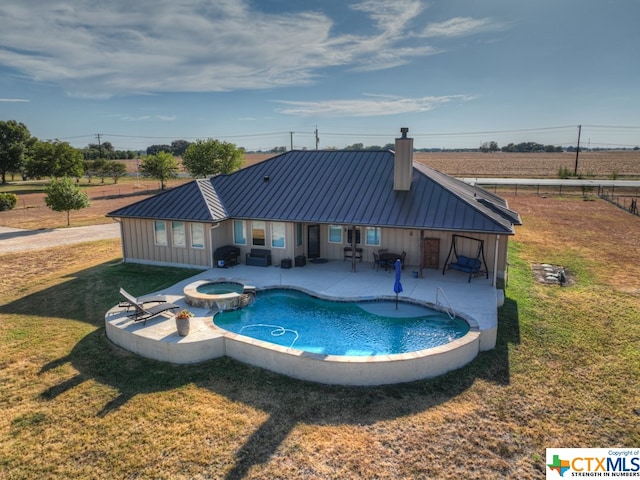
[{"x": 194, "y": 201}]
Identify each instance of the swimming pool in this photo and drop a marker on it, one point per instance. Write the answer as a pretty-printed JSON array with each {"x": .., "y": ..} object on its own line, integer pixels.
[{"x": 294, "y": 319}]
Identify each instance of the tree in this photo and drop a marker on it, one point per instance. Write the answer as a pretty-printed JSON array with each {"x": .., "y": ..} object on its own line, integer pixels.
[
  {"x": 487, "y": 147},
  {"x": 356, "y": 146},
  {"x": 161, "y": 166},
  {"x": 178, "y": 147},
  {"x": 55, "y": 159},
  {"x": 64, "y": 195},
  {"x": 154, "y": 149},
  {"x": 40, "y": 162},
  {"x": 14, "y": 143},
  {"x": 93, "y": 168},
  {"x": 211, "y": 157},
  {"x": 68, "y": 160},
  {"x": 115, "y": 170}
]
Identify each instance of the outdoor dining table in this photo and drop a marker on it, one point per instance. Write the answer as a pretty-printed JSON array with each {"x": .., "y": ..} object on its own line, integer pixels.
[{"x": 389, "y": 259}]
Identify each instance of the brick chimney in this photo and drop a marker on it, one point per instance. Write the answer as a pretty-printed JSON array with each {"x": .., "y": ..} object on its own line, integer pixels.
[{"x": 403, "y": 164}]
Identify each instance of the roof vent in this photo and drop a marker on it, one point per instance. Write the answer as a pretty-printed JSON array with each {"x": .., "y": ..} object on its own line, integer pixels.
[{"x": 266, "y": 178}]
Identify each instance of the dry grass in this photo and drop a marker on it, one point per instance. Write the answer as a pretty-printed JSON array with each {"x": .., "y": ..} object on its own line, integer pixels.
[
  {"x": 31, "y": 211},
  {"x": 565, "y": 373}
]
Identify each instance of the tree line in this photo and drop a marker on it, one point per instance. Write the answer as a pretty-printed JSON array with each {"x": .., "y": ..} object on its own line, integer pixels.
[
  {"x": 29, "y": 157},
  {"x": 23, "y": 154}
]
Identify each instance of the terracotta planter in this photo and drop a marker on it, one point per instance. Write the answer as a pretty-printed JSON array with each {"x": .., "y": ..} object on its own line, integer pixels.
[{"x": 182, "y": 324}]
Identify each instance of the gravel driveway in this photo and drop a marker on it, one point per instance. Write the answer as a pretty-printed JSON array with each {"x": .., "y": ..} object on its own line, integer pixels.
[{"x": 19, "y": 240}]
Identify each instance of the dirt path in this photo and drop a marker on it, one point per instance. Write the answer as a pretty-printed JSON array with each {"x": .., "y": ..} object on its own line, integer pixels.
[{"x": 20, "y": 240}]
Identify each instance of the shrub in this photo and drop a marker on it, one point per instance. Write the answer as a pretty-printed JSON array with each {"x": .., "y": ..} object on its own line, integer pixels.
[
  {"x": 564, "y": 173},
  {"x": 8, "y": 201}
]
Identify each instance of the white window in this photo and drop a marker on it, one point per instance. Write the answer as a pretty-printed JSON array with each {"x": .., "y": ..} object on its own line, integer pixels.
[
  {"x": 335, "y": 234},
  {"x": 373, "y": 236},
  {"x": 278, "y": 233},
  {"x": 160, "y": 232},
  {"x": 258, "y": 233},
  {"x": 197, "y": 235},
  {"x": 239, "y": 232},
  {"x": 177, "y": 230}
]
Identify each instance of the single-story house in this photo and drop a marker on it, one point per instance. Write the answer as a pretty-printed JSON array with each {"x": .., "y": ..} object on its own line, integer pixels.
[{"x": 323, "y": 204}]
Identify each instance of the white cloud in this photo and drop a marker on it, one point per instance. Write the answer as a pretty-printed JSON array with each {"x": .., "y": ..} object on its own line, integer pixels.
[
  {"x": 141, "y": 118},
  {"x": 13, "y": 100},
  {"x": 373, "y": 105},
  {"x": 99, "y": 49},
  {"x": 461, "y": 26}
]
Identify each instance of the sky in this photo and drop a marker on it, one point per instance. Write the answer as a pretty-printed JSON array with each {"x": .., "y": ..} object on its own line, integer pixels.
[{"x": 268, "y": 73}]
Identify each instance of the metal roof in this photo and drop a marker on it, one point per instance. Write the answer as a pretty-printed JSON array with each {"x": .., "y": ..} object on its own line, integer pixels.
[
  {"x": 334, "y": 187},
  {"x": 195, "y": 201}
]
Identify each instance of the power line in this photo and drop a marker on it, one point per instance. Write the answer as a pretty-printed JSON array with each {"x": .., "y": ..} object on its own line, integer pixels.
[{"x": 564, "y": 131}]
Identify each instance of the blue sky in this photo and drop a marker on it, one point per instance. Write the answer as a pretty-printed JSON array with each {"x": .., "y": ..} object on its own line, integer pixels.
[{"x": 456, "y": 72}]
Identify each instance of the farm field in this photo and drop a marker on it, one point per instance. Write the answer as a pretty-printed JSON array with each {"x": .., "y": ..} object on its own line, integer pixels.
[{"x": 522, "y": 165}]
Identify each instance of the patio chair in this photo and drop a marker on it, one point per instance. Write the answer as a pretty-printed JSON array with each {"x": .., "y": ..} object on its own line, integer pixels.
[
  {"x": 377, "y": 262},
  {"x": 142, "y": 312}
]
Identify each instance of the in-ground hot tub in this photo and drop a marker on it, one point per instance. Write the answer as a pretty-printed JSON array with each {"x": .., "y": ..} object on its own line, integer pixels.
[{"x": 222, "y": 294}]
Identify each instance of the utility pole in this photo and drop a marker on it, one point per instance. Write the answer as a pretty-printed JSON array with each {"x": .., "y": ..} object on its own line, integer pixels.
[
  {"x": 99, "y": 144},
  {"x": 291, "y": 135},
  {"x": 575, "y": 170},
  {"x": 317, "y": 137}
]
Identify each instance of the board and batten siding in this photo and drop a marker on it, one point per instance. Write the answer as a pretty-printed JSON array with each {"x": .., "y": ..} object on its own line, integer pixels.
[{"x": 139, "y": 245}]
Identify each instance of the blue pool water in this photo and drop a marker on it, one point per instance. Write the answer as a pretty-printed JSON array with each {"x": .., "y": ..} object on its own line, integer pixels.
[{"x": 294, "y": 319}]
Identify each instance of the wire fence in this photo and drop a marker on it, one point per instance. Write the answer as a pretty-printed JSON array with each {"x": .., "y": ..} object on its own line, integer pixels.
[
  {"x": 628, "y": 203},
  {"x": 95, "y": 193}
]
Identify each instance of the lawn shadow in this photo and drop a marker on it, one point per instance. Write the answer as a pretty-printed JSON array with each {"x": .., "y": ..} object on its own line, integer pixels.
[{"x": 88, "y": 294}]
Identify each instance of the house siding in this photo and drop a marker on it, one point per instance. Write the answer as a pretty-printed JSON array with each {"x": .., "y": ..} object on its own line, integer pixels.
[{"x": 139, "y": 245}]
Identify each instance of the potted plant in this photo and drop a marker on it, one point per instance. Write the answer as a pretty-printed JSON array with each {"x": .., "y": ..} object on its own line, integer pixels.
[{"x": 182, "y": 322}]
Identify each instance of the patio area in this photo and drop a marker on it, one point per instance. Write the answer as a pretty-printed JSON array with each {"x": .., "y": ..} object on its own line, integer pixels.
[{"x": 476, "y": 302}]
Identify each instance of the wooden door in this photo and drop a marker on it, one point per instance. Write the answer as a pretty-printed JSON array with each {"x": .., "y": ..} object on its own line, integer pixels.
[{"x": 431, "y": 253}]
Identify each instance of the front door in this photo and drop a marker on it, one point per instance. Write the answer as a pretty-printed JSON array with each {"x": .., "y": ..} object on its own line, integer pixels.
[{"x": 313, "y": 241}]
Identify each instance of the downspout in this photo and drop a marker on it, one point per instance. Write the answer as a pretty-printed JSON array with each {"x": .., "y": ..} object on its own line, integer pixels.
[
  {"x": 213, "y": 227},
  {"x": 421, "y": 248},
  {"x": 353, "y": 248},
  {"x": 495, "y": 262},
  {"x": 124, "y": 254}
]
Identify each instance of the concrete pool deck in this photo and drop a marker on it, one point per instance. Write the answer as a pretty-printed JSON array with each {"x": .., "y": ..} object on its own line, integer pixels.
[{"x": 476, "y": 302}]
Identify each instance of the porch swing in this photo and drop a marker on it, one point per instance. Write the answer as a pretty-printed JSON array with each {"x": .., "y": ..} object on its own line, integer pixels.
[{"x": 465, "y": 264}]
